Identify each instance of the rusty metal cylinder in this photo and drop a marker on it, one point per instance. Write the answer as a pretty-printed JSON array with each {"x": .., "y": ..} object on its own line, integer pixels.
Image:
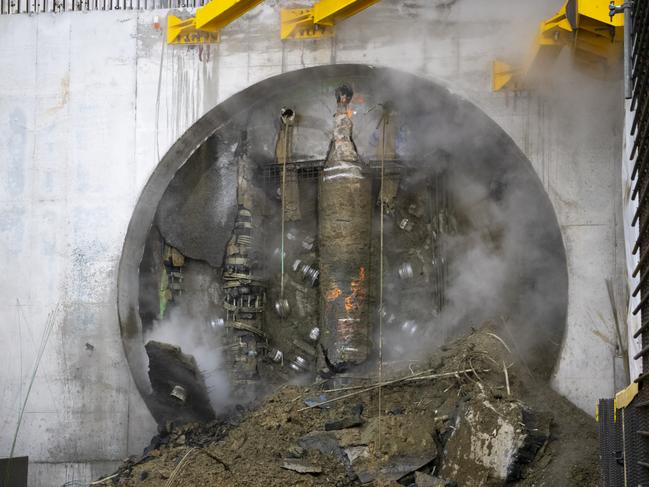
[{"x": 345, "y": 210}]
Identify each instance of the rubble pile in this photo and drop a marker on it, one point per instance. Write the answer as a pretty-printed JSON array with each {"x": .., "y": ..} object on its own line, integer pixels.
[{"x": 471, "y": 415}]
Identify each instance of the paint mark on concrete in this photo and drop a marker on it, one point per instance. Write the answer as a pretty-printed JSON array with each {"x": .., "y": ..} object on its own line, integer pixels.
[{"x": 65, "y": 95}]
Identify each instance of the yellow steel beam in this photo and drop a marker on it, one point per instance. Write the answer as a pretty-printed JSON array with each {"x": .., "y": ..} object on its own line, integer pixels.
[
  {"x": 297, "y": 23},
  {"x": 208, "y": 21},
  {"x": 318, "y": 21},
  {"x": 181, "y": 31},
  {"x": 599, "y": 11},
  {"x": 328, "y": 12},
  {"x": 582, "y": 25},
  {"x": 219, "y": 13}
]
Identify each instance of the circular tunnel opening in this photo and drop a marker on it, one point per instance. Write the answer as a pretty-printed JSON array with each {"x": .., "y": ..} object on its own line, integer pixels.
[{"x": 469, "y": 237}]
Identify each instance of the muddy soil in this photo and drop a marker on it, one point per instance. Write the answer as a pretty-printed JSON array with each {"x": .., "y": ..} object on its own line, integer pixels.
[{"x": 345, "y": 443}]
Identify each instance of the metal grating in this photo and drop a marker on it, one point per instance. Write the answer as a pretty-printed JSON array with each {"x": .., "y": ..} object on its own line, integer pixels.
[
  {"x": 611, "y": 446},
  {"x": 606, "y": 435},
  {"x": 638, "y": 72},
  {"x": 632, "y": 443},
  {"x": 305, "y": 170},
  {"x": 641, "y": 451},
  {"x": 310, "y": 169},
  {"x": 617, "y": 461},
  {"x": 9, "y": 7},
  {"x": 640, "y": 159}
]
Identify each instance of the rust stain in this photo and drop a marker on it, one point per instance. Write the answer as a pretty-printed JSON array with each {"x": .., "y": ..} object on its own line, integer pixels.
[
  {"x": 349, "y": 303},
  {"x": 65, "y": 95},
  {"x": 603, "y": 337},
  {"x": 333, "y": 294},
  {"x": 358, "y": 294}
]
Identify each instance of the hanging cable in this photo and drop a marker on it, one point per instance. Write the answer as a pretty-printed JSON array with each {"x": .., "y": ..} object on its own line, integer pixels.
[
  {"x": 385, "y": 120},
  {"x": 282, "y": 152},
  {"x": 49, "y": 326},
  {"x": 281, "y": 282},
  {"x": 284, "y": 160}
]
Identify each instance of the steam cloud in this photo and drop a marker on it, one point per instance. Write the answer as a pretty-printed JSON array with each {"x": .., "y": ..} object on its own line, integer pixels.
[{"x": 195, "y": 337}]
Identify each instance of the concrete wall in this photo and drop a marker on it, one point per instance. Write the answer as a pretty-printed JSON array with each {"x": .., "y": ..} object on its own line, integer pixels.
[{"x": 89, "y": 102}]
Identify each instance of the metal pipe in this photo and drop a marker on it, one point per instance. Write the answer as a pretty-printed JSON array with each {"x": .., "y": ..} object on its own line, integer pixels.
[
  {"x": 628, "y": 30},
  {"x": 643, "y": 327}
]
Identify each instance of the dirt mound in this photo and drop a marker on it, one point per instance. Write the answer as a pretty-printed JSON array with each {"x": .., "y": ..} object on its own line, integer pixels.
[{"x": 468, "y": 416}]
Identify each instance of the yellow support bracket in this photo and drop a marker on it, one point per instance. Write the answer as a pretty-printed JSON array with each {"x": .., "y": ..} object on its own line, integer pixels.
[
  {"x": 297, "y": 23},
  {"x": 318, "y": 21},
  {"x": 204, "y": 27},
  {"x": 181, "y": 31},
  {"x": 583, "y": 25},
  {"x": 625, "y": 396},
  {"x": 502, "y": 75}
]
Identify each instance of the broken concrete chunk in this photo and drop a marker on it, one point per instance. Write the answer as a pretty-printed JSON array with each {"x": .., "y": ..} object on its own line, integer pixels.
[
  {"x": 323, "y": 441},
  {"x": 407, "y": 444},
  {"x": 355, "y": 452},
  {"x": 489, "y": 443},
  {"x": 393, "y": 468},
  {"x": 169, "y": 367},
  {"x": 317, "y": 402},
  {"x": 295, "y": 451},
  {"x": 300, "y": 466},
  {"x": 425, "y": 480},
  {"x": 348, "y": 422}
]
